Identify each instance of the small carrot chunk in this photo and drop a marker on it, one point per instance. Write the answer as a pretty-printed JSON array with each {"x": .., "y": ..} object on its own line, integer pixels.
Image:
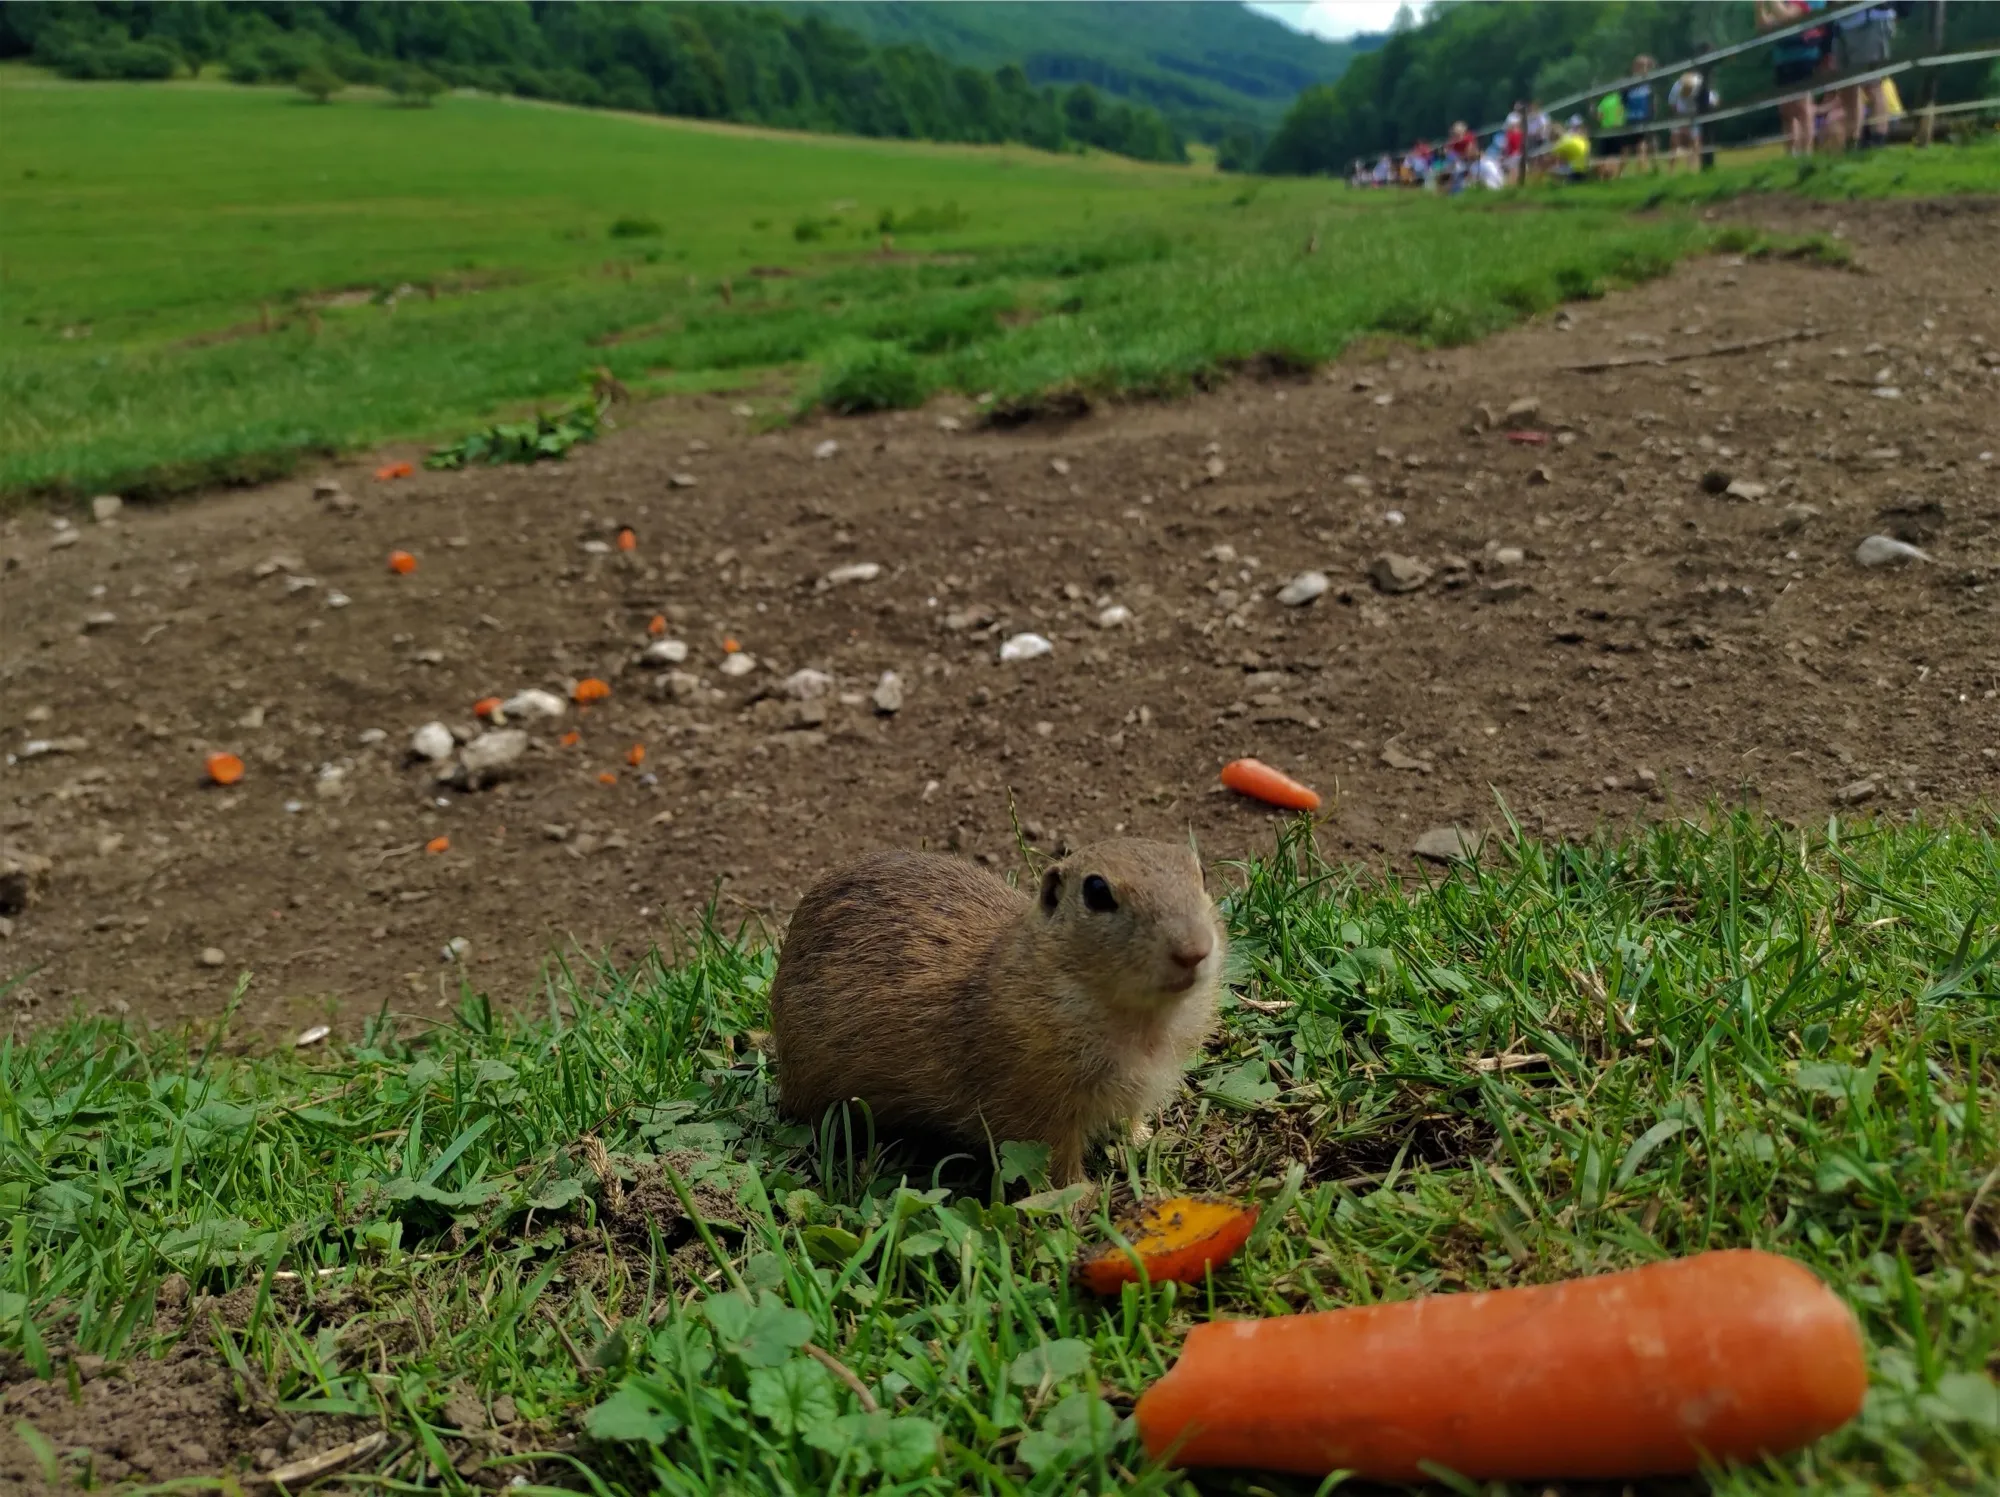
[
  {"x": 590, "y": 689},
  {"x": 730, "y": 646},
  {"x": 1735, "y": 1355},
  {"x": 1256, "y": 779},
  {"x": 438, "y": 844},
  {"x": 224, "y": 768},
  {"x": 607, "y": 777},
  {"x": 1178, "y": 1239},
  {"x": 636, "y": 755},
  {"x": 402, "y": 563},
  {"x": 657, "y": 625},
  {"x": 627, "y": 541},
  {"x": 570, "y": 739},
  {"x": 485, "y": 707},
  {"x": 393, "y": 470}
]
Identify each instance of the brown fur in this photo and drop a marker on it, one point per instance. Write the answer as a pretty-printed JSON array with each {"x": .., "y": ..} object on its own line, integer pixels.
[{"x": 947, "y": 1000}]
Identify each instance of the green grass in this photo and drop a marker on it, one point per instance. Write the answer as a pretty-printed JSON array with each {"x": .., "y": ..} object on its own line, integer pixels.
[
  {"x": 167, "y": 251},
  {"x": 1750, "y": 1035}
]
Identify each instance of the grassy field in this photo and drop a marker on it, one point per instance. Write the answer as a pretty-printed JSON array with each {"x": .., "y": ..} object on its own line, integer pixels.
[
  {"x": 1744, "y": 1036},
  {"x": 173, "y": 260}
]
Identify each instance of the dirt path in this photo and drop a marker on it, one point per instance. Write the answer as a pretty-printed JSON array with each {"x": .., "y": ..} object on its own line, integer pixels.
[{"x": 1655, "y": 645}]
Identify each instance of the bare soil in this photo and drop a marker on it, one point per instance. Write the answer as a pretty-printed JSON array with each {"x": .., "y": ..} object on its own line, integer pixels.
[{"x": 1656, "y": 648}]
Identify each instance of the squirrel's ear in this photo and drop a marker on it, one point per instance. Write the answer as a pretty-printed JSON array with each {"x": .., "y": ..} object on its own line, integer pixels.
[{"x": 1051, "y": 890}]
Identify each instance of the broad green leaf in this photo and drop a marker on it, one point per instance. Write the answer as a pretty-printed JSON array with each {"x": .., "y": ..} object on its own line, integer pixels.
[
  {"x": 1023, "y": 1161},
  {"x": 640, "y": 1410},
  {"x": 1048, "y": 1363},
  {"x": 793, "y": 1397},
  {"x": 1246, "y": 1086},
  {"x": 832, "y": 1246}
]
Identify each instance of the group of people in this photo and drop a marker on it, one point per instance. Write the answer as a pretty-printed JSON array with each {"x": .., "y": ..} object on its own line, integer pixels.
[
  {"x": 1834, "y": 119},
  {"x": 1630, "y": 126}
]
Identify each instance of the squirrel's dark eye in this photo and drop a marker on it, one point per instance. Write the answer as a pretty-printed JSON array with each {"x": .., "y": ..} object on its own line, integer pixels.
[{"x": 1097, "y": 895}]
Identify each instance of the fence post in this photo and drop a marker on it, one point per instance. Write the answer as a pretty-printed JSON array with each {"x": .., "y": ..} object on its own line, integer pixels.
[{"x": 1928, "y": 124}]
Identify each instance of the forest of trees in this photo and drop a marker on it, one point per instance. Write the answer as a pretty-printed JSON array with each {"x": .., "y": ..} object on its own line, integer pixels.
[
  {"x": 1471, "y": 62},
  {"x": 751, "y": 64}
]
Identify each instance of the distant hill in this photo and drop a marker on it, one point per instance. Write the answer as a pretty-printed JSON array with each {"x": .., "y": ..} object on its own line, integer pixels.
[{"x": 1205, "y": 66}]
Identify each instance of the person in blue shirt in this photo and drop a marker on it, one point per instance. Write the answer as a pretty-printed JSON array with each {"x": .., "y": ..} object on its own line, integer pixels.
[{"x": 1639, "y": 112}]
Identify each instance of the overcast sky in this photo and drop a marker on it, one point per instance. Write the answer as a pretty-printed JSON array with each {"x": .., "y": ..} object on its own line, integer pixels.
[{"x": 1332, "y": 18}]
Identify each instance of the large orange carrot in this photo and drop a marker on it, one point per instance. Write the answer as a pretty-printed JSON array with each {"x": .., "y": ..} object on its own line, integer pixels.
[
  {"x": 1256, "y": 779},
  {"x": 1726, "y": 1356}
]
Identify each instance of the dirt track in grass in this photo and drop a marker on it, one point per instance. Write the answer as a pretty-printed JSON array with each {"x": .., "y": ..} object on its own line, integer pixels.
[{"x": 1656, "y": 645}]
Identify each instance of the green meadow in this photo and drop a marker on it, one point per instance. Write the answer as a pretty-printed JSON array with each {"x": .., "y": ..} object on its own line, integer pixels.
[
  {"x": 203, "y": 280},
  {"x": 586, "y": 1225}
]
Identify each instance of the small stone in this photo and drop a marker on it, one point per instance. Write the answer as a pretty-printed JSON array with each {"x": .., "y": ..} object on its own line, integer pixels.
[
  {"x": 1392, "y": 572},
  {"x": 1746, "y": 489},
  {"x": 492, "y": 754},
  {"x": 1114, "y": 617},
  {"x": 681, "y": 480},
  {"x": 1215, "y": 467},
  {"x": 1795, "y": 517},
  {"x": 337, "y": 599},
  {"x": 948, "y": 423},
  {"x": 555, "y": 831},
  {"x": 1508, "y": 556},
  {"x": 663, "y": 652},
  {"x": 457, "y": 949},
  {"x": 105, "y": 507},
  {"x": 1449, "y": 844},
  {"x": 331, "y": 782},
  {"x": 1522, "y": 411},
  {"x": 1537, "y": 476},
  {"x": 212, "y": 956},
  {"x": 826, "y": 449},
  {"x": 63, "y": 539},
  {"x": 856, "y": 571},
  {"x": 806, "y": 685},
  {"x": 533, "y": 703},
  {"x": 433, "y": 741},
  {"x": 252, "y": 719},
  {"x": 38, "y": 748},
  {"x": 1059, "y": 466},
  {"x": 681, "y": 686},
  {"x": 742, "y": 412},
  {"x": 1854, "y": 794},
  {"x": 93, "y": 622},
  {"x": 1024, "y": 646},
  {"x": 1303, "y": 589},
  {"x": 597, "y": 548},
  {"x": 312, "y": 1036},
  {"x": 889, "y": 694},
  {"x": 1887, "y": 551},
  {"x": 1395, "y": 758},
  {"x": 369, "y": 737},
  {"x": 739, "y": 664}
]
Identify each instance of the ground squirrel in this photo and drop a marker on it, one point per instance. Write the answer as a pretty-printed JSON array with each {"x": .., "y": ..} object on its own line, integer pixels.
[{"x": 947, "y": 1000}]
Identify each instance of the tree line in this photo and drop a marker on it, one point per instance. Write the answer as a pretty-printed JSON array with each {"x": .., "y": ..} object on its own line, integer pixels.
[{"x": 744, "y": 63}]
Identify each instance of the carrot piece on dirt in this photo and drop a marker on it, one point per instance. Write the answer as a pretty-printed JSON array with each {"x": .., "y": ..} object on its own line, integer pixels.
[
  {"x": 636, "y": 755},
  {"x": 1256, "y": 779},
  {"x": 402, "y": 563},
  {"x": 570, "y": 739},
  {"x": 607, "y": 777},
  {"x": 485, "y": 707},
  {"x": 393, "y": 470},
  {"x": 1726, "y": 1356},
  {"x": 223, "y": 769},
  {"x": 657, "y": 625},
  {"x": 730, "y": 646},
  {"x": 627, "y": 541},
  {"x": 438, "y": 844},
  {"x": 590, "y": 689},
  {"x": 1178, "y": 1239}
]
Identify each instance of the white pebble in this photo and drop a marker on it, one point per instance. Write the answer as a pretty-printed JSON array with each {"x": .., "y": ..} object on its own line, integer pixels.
[
  {"x": 889, "y": 694},
  {"x": 492, "y": 752},
  {"x": 1024, "y": 647},
  {"x": 534, "y": 702},
  {"x": 738, "y": 664},
  {"x": 312, "y": 1036},
  {"x": 457, "y": 949},
  {"x": 664, "y": 652},
  {"x": 856, "y": 571},
  {"x": 432, "y": 741},
  {"x": 1886, "y": 551},
  {"x": 806, "y": 685},
  {"x": 1303, "y": 589},
  {"x": 1114, "y": 617},
  {"x": 371, "y": 736},
  {"x": 1393, "y": 517},
  {"x": 105, "y": 507},
  {"x": 826, "y": 449}
]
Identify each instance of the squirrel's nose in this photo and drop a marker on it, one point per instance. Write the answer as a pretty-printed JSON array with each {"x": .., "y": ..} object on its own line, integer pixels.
[{"x": 1191, "y": 954}]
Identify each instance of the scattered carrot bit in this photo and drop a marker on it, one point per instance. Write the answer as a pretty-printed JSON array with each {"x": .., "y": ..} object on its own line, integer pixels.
[
  {"x": 224, "y": 769},
  {"x": 438, "y": 844},
  {"x": 1256, "y": 779},
  {"x": 571, "y": 739},
  {"x": 1178, "y": 1239},
  {"x": 657, "y": 625},
  {"x": 627, "y": 541},
  {"x": 1727, "y": 1356},
  {"x": 485, "y": 707},
  {"x": 590, "y": 689},
  {"x": 636, "y": 755},
  {"x": 402, "y": 563},
  {"x": 730, "y": 646},
  {"x": 393, "y": 470},
  {"x": 1529, "y": 438},
  {"x": 608, "y": 777}
]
